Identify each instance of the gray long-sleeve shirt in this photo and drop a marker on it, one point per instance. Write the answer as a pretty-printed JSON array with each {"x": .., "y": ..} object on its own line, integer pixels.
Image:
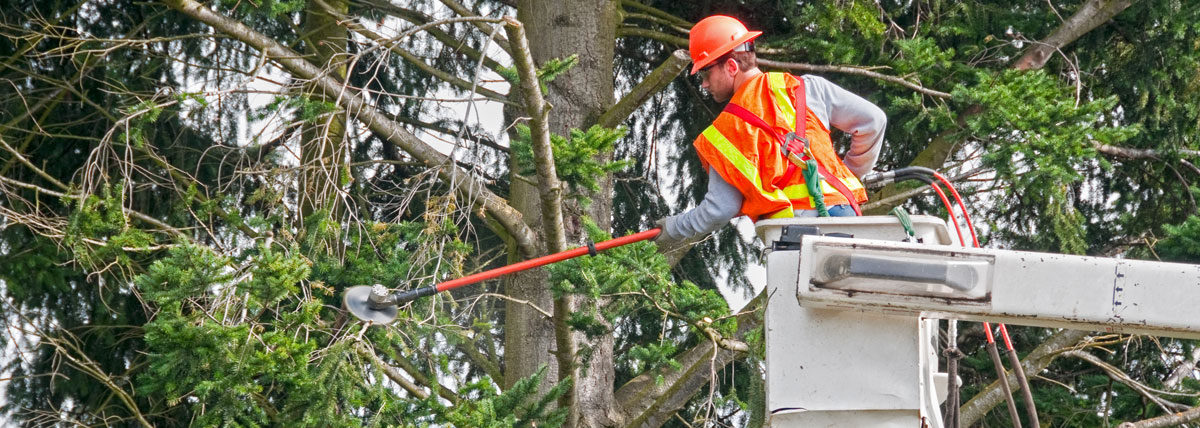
[{"x": 833, "y": 106}]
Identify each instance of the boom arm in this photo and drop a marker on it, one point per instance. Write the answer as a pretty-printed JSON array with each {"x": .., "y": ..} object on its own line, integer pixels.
[{"x": 1024, "y": 288}]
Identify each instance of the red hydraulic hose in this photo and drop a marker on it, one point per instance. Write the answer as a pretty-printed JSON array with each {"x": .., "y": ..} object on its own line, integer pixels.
[
  {"x": 413, "y": 294},
  {"x": 950, "y": 209},
  {"x": 1022, "y": 381},
  {"x": 967, "y": 217},
  {"x": 1008, "y": 399},
  {"x": 1017, "y": 369}
]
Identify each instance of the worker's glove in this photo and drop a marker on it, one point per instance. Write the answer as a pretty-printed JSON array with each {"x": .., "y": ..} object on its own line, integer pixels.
[{"x": 664, "y": 240}]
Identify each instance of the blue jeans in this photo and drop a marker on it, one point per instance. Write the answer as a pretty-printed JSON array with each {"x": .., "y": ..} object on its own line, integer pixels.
[{"x": 843, "y": 210}]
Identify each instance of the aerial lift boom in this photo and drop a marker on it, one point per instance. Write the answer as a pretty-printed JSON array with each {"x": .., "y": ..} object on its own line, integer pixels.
[{"x": 851, "y": 321}]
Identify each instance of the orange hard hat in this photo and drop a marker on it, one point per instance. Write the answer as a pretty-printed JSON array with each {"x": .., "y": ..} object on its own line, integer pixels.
[{"x": 715, "y": 36}]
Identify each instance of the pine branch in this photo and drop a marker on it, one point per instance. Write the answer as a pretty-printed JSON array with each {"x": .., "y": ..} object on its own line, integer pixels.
[
  {"x": 647, "y": 401},
  {"x": 461, "y": 182},
  {"x": 940, "y": 148}
]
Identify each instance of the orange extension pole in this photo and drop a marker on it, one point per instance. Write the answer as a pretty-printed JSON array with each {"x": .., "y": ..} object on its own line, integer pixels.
[{"x": 592, "y": 249}]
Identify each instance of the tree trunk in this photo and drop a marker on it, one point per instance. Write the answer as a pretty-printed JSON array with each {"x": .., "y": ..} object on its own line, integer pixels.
[
  {"x": 323, "y": 146},
  {"x": 577, "y": 99}
]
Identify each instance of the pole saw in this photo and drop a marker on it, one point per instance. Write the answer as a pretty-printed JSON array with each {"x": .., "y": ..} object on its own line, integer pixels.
[{"x": 379, "y": 304}]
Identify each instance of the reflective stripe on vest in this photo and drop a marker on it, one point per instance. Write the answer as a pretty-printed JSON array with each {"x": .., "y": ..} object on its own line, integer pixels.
[
  {"x": 748, "y": 169},
  {"x": 783, "y": 99}
]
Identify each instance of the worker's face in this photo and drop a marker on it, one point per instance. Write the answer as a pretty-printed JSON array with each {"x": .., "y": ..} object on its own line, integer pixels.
[{"x": 718, "y": 79}]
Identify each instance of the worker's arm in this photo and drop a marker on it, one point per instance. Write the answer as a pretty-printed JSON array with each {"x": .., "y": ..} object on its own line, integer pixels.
[
  {"x": 854, "y": 115},
  {"x": 721, "y": 203}
]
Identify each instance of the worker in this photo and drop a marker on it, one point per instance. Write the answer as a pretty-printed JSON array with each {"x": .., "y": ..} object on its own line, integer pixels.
[{"x": 743, "y": 149}]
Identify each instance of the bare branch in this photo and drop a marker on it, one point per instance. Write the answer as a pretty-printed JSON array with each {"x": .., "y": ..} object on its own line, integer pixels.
[
  {"x": 461, "y": 182},
  {"x": 67, "y": 346},
  {"x": 647, "y": 402},
  {"x": 657, "y": 20},
  {"x": 130, "y": 212},
  {"x": 392, "y": 45},
  {"x": 1132, "y": 153},
  {"x": 539, "y": 128},
  {"x": 464, "y": 12},
  {"x": 550, "y": 191},
  {"x": 855, "y": 71},
  {"x": 674, "y": 41},
  {"x": 1087, "y": 18},
  {"x": 393, "y": 374},
  {"x": 674, "y": 20},
  {"x": 1120, "y": 376},
  {"x": 1035, "y": 362},
  {"x": 1171, "y": 420},
  {"x": 652, "y": 84},
  {"x": 459, "y": 44},
  {"x": 447, "y": 131}
]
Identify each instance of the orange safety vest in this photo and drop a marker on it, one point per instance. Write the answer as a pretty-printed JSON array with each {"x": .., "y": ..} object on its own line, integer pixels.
[{"x": 750, "y": 158}]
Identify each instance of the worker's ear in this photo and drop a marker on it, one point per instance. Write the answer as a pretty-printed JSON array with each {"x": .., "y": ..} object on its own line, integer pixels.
[{"x": 731, "y": 67}]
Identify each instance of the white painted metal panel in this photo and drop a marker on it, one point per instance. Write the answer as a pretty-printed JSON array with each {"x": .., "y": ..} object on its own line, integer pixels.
[
  {"x": 844, "y": 368},
  {"x": 862, "y": 418}
]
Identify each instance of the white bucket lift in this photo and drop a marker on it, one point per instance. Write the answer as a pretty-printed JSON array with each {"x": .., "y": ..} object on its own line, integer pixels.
[{"x": 850, "y": 328}]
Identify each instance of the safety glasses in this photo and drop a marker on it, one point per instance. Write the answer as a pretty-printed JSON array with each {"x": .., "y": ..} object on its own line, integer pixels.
[{"x": 704, "y": 72}]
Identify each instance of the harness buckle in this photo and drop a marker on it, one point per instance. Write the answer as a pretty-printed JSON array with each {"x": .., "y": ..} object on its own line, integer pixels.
[{"x": 787, "y": 143}]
